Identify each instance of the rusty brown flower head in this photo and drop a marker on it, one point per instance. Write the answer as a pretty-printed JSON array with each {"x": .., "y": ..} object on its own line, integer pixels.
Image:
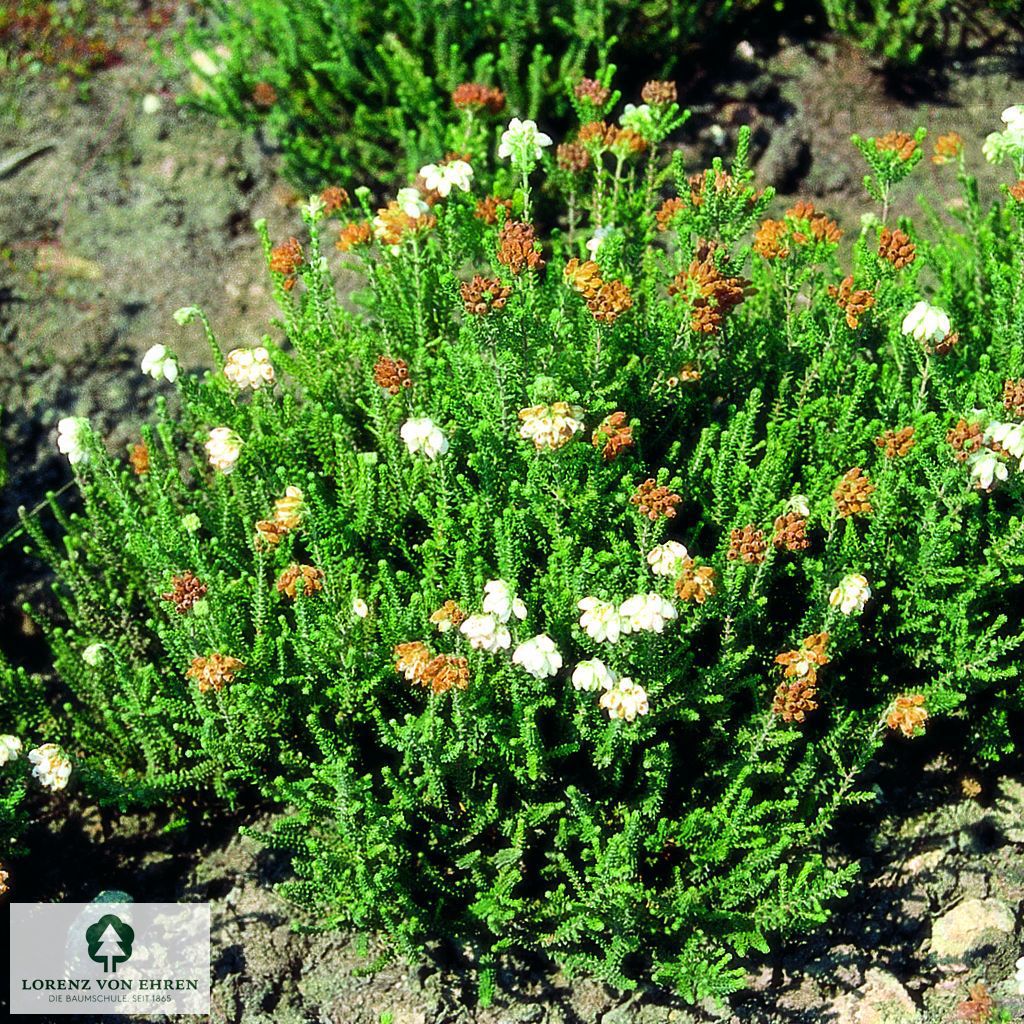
[
  {"x": 353, "y": 235},
  {"x": 477, "y": 97},
  {"x": 696, "y": 583},
  {"x": 654, "y": 501},
  {"x": 610, "y": 302},
  {"x": 790, "y": 532},
  {"x": 666, "y": 213},
  {"x": 448, "y": 616},
  {"x": 286, "y": 259},
  {"x": 488, "y": 207},
  {"x": 306, "y": 578},
  {"x": 391, "y": 374},
  {"x": 334, "y": 198},
  {"x": 584, "y": 276},
  {"x": 907, "y": 714},
  {"x": 588, "y": 90},
  {"x": 185, "y": 591},
  {"x": 896, "y": 443},
  {"x": 517, "y": 249},
  {"x": 965, "y": 439},
  {"x": 393, "y": 223},
  {"x": 904, "y": 146},
  {"x": 710, "y": 294},
  {"x": 572, "y": 157},
  {"x": 1016, "y": 191},
  {"x": 264, "y": 95},
  {"x": 1013, "y": 397},
  {"x": 214, "y": 671},
  {"x": 659, "y": 94},
  {"x": 948, "y": 147},
  {"x": 771, "y": 240},
  {"x": 853, "y": 494},
  {"x": 795, "y": 699},
  {"x": 852, "y": 301},
  {"x": 613, "y": 436},
  {"x": 138, "y": 456},
  {"x": 481, "y": 295},
  {"x": 444, "y": 672},
  {"x": 895, "y": 247},
  {"x": 747, "y": 544}
]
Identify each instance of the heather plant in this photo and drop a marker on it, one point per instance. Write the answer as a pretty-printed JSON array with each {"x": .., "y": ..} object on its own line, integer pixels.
[{"x": 561, "y": 584}]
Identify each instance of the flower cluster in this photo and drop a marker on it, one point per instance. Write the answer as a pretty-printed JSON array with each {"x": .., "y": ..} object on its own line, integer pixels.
[
  {"x": 422, "y": 436},
  {"x": 213, "y": 671},
  {"x": 550, "y": 426},
  {"x": 853, "y": 494},
  {"x": 288, "y": 513},
  {"x": 391, "y": 374},
  {"x": 249, "y": 368},
  {"x": 655, "y": 501},
  {"x": 709, "y": 294},
  {"x": 795, "y": 695}
]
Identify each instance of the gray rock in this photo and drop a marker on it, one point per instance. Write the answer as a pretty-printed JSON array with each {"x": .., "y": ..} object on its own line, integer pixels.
[
  {"x": 1009, "y": 810},
  {"x": 971, "y": 927}
]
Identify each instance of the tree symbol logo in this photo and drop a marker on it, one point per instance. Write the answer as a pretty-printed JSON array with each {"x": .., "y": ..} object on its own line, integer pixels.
[{"x": 110, "y": 942}]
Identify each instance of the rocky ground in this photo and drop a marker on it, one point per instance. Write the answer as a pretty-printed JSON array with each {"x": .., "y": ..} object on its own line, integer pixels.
[{"x": 116, "y": 211}]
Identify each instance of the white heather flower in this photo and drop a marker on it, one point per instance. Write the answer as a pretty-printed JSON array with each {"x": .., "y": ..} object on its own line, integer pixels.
[
  {"x": 498, "y": 601},
  {"x": 550, "y": 426},
  {"x": 191, "y": 522},
  {"x": 645, "y": 612},
  {"x": 600, "y": 619},
  {"x": 639, "y": 118},
  {"x": 625, "y": 699},
  {"x": 186, "y": 314},
  {"x": 594, "y": 243},
  {"x": 421, "y": 435},
  {"x": 1013, "y": 117},
  {"x": 314, "y": 208},
  {"x": 10, "y": 748},
  {"x": 539, "y": 656},
  {"x": 93, "y": 655},
  {"x": 986, "y": 468},
  {"x": 994, "y": 148},
  {"x": 360, "y": 609},
  {"x": 522, "y": 143},
  {"x": 51, "y": 766},
  {"x": 799, "y": 504},
  {"x": 1019, "y": 976},
  {"x": 249, "y": 368},
  {"x": 926, "y": 323},
  {"x": 1009, "y": 437},
  {"x": 442, "y": 178},
  {"x": 159, "y": 362},
  {"x": 851, "y": 595},
  {"x": 411, "y": 202},
  {"x": 667, "y": 559},
  {"x": 71, "y": 432},
  {"x": 593, "y": 675},
  {"x": 223, "y": 449},
  {"x": 151, "y": 103},
  {"x": 485, "y": 633}
]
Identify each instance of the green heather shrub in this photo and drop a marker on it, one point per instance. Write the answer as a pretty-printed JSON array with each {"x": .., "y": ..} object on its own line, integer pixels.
[
  {"x": 354, "y": 91},
  {"x": 560, "y": 584}
]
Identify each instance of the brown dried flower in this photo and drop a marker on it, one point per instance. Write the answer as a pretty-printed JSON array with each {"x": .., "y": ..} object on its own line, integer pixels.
[
  {"x": 355, "y": 234},
  {"x": 139, "y": 458},
  {"x": 214, "y": 671},
  {"x": 473, "y": 96},
  {"x": 790, "y": 532},
  {"x": 1016, "y": 191},
  {"x": 900, "y": 143},
  {"x": 655, "y": 501},
  {"x": 853, "y": 494},
  {"x": 978, "y": 1007},
  {"x": 269, "y": 533},
  {"x": 907, "y": 714},
  {"x": 771, "y": 240},
  {"x": 517, "y": 250},
  {"x": 411, "y": 658},
  {"x": 697, "y": 583},
  {"x": 488, "y": 207},
  {"x": 747, "y": 544},
  {"x": 610, "y": 302},
  {"x": 712, "y": 295},
  {"x": 659, "y": 94},
  {"x": 572, "y": 157},
  {"x": 483, "y": 294},
  {"x": 286, "y": 259},
  {"x": 666, "y": 213},
  {"x": 1013, "y": 397},
  {"x": 391, "y": 374},
  {"x": 584, "y": 276},
  {"x": 334, "y": 197},
  {"x": 895, "y": 247},
  {"x": 592, "y": 92},
  {"x": 448, "y": 616},
  {"x": 896, "y": 443},
  {"x": 393, "y": 223},
  {"x": 597, "y": 135},
  {"x": 688, "y": 374},
  {"x": 854, "y": 302},
  {"x": 948, "y": 147},
  {"x": 185, "y": 591},
  {"x": 946, "y": 345},
  {"x": 444, "y": 672},
  {"x": 801, "y": 210},
  {"x": 613, "y": 435},
  {"x": 970, "y": 787},
  {"x": 823, "y": 229},
  {"x": 965, "y": 439},
  {"x": 264, "y": 95},
  {"x": 794, "y": 699},
  {"x": 308, "y": 578}
]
